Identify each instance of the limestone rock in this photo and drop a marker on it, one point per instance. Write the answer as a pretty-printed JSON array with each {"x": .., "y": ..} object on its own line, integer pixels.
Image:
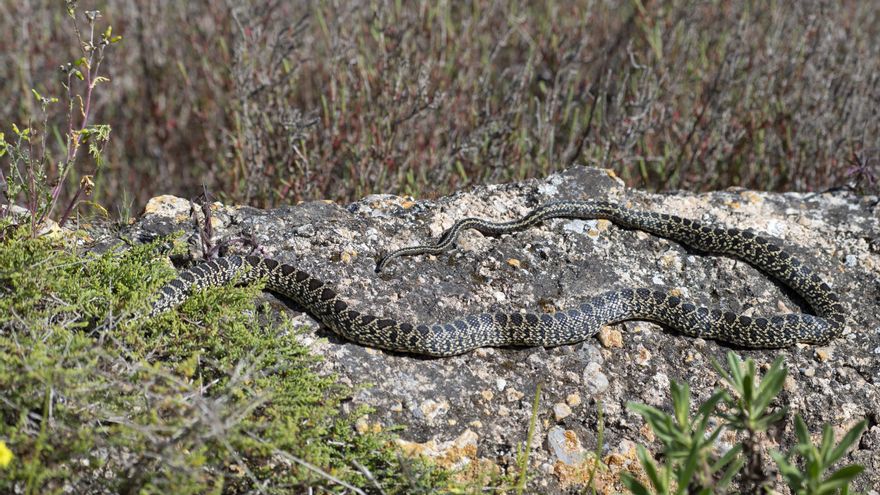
[{"x": 558, "y": 264}]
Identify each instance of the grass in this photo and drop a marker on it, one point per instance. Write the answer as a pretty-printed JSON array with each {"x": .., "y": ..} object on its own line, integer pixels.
[
  {"x": 270, "y": 103},
  {"x": 202, "y": 401}
]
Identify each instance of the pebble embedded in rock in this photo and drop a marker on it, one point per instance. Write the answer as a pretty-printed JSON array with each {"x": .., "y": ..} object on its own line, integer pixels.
[
  {"x": 566, "y": 446},
  {"x": 594, "y": 380},
  {"x": 561, "y": 411}
]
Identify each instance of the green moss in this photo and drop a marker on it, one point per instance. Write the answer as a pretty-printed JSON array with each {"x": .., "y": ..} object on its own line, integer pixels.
[{"x": 203, "y": 400}]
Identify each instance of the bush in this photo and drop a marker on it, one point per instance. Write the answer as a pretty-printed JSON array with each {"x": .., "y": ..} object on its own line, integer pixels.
[
  {"x": 691, "y": 464},
  {"x": 271, "y": 102}
]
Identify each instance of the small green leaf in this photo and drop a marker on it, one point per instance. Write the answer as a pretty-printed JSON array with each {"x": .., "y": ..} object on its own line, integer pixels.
[
  {"x": 633, "y": 485},
  {"x": 681, "y": 400},
  {"x": 730, "y": 473},
  {"x": 729, "y": 456},
  {"x": 842, "y": 477},
  {"x": 735, "y": 364},
  {"x": 787, "y": 470},
  {"x": 800, "y": 429},
  {"x": 770, "y": 386},
  {"x": 688, "y": 471},
  {"x": 651, "y": 470},
  {"x": 847, "y": 441}
]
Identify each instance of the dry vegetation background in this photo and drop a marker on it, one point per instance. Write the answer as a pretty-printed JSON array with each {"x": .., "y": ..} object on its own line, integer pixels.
[{"x": 272, "y": 102}]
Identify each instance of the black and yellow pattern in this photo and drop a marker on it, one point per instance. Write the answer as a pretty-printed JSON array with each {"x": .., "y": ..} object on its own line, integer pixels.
[{"x": 562, "y": 327}]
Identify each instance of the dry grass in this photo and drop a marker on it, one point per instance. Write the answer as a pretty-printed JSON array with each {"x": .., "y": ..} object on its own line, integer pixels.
[{"x": 272, "y": 102}]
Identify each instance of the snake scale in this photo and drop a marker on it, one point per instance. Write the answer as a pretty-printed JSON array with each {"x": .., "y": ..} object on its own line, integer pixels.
[{"x": 560, "y": 327}]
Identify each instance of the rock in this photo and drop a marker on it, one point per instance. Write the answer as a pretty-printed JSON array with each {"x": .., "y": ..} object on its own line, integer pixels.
[
  {"x": 561, "y": 411},
  {"x": 559, "y": 264},
  {"x": 595, "y": 381},
  {"x": 610, "y": 337},
  {"x": 565, "y": 445}
]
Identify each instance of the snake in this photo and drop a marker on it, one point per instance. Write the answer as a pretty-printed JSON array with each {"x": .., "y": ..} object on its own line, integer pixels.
[{"x": 548, "y": 329}]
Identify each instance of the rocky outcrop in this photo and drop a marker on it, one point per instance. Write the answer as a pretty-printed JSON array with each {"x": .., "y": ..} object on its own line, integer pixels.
[{"x": 475, "y": 408}]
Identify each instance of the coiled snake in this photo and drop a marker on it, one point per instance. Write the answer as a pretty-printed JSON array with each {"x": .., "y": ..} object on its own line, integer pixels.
[{"x": 561, "y": 327}]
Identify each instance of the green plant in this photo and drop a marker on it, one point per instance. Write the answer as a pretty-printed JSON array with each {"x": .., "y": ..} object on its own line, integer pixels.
[
  {"x": 33, "y": 171},
  {"x": 522, "y": 457},
  {"x": 747, "y": 410},
  {"x": 198, "y": 401},
  {"x": 691, "y": 467},
  {"x": 817, "y": 460}
]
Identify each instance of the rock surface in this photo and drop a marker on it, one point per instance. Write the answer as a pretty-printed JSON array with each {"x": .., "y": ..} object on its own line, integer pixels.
[{"x": 476, "y": 408}]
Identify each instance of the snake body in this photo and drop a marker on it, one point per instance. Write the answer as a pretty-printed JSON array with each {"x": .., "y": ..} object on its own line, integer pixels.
[{"x": 561, "y": 327}]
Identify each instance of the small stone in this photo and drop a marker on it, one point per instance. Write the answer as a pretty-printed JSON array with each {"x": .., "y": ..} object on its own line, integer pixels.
[
  {"x": 514, "y": 395},
  {"x": 168, "y": 206},
  {"x": 591, "y": 354},
  {"x": 647, "y": 432},
  {"x": 643, "y": 357},
  {"x": 500, "y": 384},
  {"x": 610, "y": 337},
  {"x": 499, "y": 296},
  {"x": 413, "y": 449},
  {"x": 347, "y": 255},
  {"x": 561, "y": 411},
  {"x": 487, "y": 395},
  {"x": 671, "y": 261},
  {"x": 594, "y": 380},
  {"x": 431, "y": 409},
  {"x": 579, "y": 226},
  {"x": 573, "y": 400},
  {"x": 823, "y": 354},
  {"x": 483, "y": 352},
  {"x": 790, "y": 384},
  {"x": 565, "y": 445},
  {"x": 307, "y": 230},
  {"x": 810, "y": 372},
  {"x": 513, "y": 262}
]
